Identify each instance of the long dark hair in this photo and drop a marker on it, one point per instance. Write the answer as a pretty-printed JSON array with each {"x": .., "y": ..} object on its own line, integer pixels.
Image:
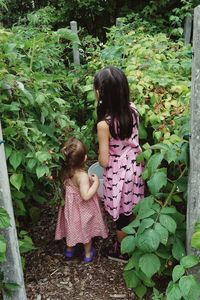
[
  {"x": 74, "y": 152},
  {"x": 112, "y": 86}
]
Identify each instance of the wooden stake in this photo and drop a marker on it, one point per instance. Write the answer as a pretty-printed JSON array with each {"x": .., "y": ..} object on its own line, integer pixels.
[
  {"x": 73, "y": 25},
  {"x": 12, "y": 268},
  {"x": 193, "y": 206}
]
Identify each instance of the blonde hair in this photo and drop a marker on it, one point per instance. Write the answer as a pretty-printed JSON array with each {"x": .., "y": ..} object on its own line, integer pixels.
[{"x": 74, "y": 152}]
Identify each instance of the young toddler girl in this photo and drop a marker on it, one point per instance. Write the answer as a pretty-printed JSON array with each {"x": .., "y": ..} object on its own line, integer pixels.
[{"x": 80, "y": 219}]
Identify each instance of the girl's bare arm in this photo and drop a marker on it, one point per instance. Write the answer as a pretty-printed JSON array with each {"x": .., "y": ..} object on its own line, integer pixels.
[
  {"x": 87, "y": 190},
  {"x": 103, "y": 134}
]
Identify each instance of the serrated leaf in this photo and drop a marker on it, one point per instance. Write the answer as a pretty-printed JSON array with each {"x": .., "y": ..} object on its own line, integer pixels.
[
  {"x": 189, "y": 261},
  {"x": 189, "y": 287},
  {"x": 128, "y": 229},
  {"x": 41, "y": 171},
  {"x": 178, "y": 249},
  {"x": 131, "y": 279},
  {"x": 173, "y": 292},
  {"x": 177, "y": 272},
  {"x": 4, "y": 218},
  {"x": 149, "y": 264},
  {"x": 168, "y": 223},
  {"x": 16, "y": 180},
  {"x": 168, "y": 210},
  {"x": 154, "y": 162},
  {"x": 15, "y": 159},
  {"x": 157, "y": 181},
  {"x": 140, "y": 291},
  {"x": 128, "y": 244},
  {"x": 163, "y": 233},
  {"x": 146, "y": 223},
  {"x": 195, "y": 241},
  {"x": 148, "y": 241}
]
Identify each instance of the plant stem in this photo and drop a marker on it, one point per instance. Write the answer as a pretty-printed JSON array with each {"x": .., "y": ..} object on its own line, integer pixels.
[{"x": 173, "y": 188}]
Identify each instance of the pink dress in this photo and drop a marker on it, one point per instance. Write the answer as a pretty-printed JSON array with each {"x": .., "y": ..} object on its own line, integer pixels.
[
  {"x": 79, "y": 220},
  {"x": 123, "y": 184}
]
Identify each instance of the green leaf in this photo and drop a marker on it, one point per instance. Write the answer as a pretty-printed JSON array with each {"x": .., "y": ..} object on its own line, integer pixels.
[
  {"x": 41, "y": 171},
  {"x": 148, "y": 241},
  {"x": 15, "y": 159},
  {"x": 182, "y": 184},
  {"x": 2, "y": 249},
  {"x": 157, "y": 181},
  {"x": 31, "y": 163},
  {"x": 131, "y": 279},
  {"x": 163, "y": 233},
  {"x": 4, "y": 218},
  {"x": 168, "y": 210},
  {"x": 140, "y": 291},
  {"x": 168, "y": 223},
  {"x": 142, "y": 131},
  {"x": 195, "y": 241},
  {"x": 178, "y": 249},
  {"x": 128, "y": 244},
  {"x": 173, "y": 292},
  {"x": 154, "y": 162},
  {"x": 178, "y": 272},
  {"x": 146, "y": 223},
  {"x": 189, "y": 261},
  {"x": 189, "y": 287},
  {"x": 16, "y": 180},
  {"x": 149, "y": 264},
  {"x": 128, "y": 229}
]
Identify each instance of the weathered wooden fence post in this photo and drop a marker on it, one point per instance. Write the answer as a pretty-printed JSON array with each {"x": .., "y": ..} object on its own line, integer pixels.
[
  {"x": 76, "y": 55},
  {"x": 119, "y": 22},
  {"x": 12, "y": 268},
  {"x": 193, "y": 207},
  {"x": 188, "y": 30}
]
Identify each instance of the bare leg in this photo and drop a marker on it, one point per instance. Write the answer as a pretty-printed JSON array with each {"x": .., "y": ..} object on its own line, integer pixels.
[
  {"x": 120, "y": 235},
  {"x": 69, "y": 248},
  {"x": 88, "y": 248}
]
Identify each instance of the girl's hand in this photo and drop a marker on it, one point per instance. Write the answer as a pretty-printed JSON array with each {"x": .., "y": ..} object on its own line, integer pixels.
[{"x": 94, "y": 178}]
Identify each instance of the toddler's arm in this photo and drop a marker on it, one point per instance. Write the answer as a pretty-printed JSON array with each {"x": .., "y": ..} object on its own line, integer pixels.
[{"x": 86, "y": 189}]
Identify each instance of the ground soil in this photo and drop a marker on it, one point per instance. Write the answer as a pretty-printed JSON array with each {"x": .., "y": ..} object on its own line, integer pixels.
[{"x": 49, "y": 277}]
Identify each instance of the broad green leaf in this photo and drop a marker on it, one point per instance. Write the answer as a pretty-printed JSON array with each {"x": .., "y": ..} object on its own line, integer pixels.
[
  {"x": 42, "y": 170},
  {"x": 140, "y": 291},
  {"x": 148, "y": 241},
  {"x": 2, "y": 249},
  {"x": 16, "y": 180},
  {"x": 31, "y": 163},
  {"x": 154, "y": 162},
  {"x": 173, "y": 292},
  {"x": 15, "y": 159},
  {"x": 178, "y": 272},
  {"x": 128, "y": 229},
  {"x": 144, "y": 205},
  {"x": 195, "y": 241},
  {"x": 146, "y": 223},
  {"x": 189, "y": 261},
  {"x": 168, "y": 223},
  {"x": 131, "y": 279},
  {"x": 178, "y": 249},
  {"x": 168, "y": 210},
  {"x": 149, "y": 264},
  {"x": 146, "y": 214},
  {"x": 163, "y": 233},
  {"x": 128, "y": 244},
  {"x": 189, "y": 287},
  {"x": 4, "y": 218},
  {"x": 157, "y": 181}
]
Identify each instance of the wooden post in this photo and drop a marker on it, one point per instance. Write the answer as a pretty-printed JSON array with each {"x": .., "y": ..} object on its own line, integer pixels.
[
  {"x": 188, "y": 30},
  {"x": 119, "y": 22},
  {"x": 12, "y": 268},
  {"x": 73, "y": 25},
  {"x": 193, "y": 207}
]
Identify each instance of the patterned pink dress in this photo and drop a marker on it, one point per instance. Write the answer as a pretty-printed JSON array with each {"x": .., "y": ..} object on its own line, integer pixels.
[
  {"x": 123, "y": 184},
  {"x": 79, "y": 220}
]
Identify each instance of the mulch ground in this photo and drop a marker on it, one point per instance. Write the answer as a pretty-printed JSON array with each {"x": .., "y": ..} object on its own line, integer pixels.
[{"x": 49, "y": 277}]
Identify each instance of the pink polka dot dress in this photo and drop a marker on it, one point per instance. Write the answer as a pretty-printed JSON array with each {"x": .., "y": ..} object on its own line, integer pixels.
[
  {"x": 79, "y": 220},
  {"x": 123, "y": 184}
]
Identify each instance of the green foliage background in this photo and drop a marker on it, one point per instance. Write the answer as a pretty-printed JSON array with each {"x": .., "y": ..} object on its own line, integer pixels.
[{"x": 45, "y": 99}]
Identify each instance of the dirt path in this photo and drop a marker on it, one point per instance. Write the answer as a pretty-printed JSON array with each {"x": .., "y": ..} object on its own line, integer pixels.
[{"x": 49, "y": 277}]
